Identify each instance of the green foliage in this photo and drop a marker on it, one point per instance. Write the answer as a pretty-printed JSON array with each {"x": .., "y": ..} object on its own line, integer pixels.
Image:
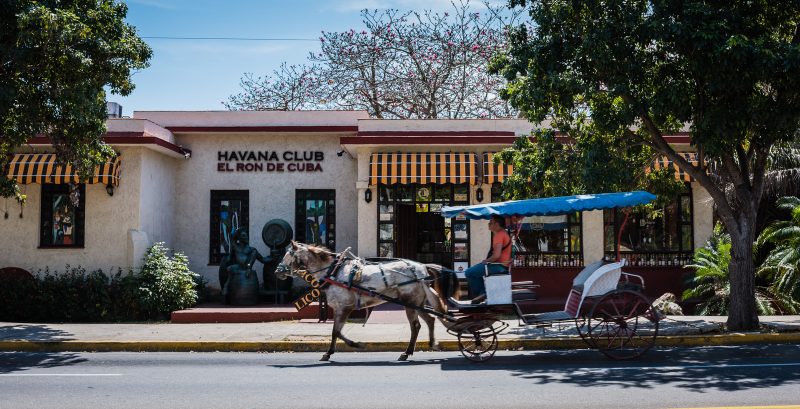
[
  {"x": 56, "y": 60},
  {"x": 710, "y": 282},
  {"x": 583, "y": 161},
  {"x": 166, "y": 284},
  {"x": 781, "y": 268},
  {"x": 645, "y": 68}
]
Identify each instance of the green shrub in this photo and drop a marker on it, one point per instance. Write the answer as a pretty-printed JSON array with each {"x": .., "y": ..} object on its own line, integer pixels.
[
  {"x": 17, "y": 296},
  {"x": 166, "y": 284},
  {"x": 781, "y": 268},
  {"x": 710, "y": 283},
  {"x": 163, "y": 285}
]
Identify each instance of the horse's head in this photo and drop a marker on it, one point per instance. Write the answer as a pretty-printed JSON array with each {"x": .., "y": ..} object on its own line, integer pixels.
[{"x": 301, "y": 256}]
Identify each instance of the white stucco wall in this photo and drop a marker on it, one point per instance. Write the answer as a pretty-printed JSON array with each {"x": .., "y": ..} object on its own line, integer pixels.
[
  {"x": 271, "y": 194},
  {"x": 156, "y": 203},
  {"x": 107, "y": 221}
]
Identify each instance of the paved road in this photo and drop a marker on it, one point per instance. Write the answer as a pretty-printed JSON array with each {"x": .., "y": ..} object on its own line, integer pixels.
[{"x": 666, "y": 378}]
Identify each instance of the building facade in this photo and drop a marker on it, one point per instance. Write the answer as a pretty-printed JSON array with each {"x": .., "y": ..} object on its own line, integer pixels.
[{"x": 339, "y": 178}]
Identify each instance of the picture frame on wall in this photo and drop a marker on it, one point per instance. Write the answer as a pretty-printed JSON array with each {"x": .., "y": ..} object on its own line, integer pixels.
[
  {"x": 460, "y": 251},
  {"x": 460, "y": 231},
  {"x": 459, "y": 267}
]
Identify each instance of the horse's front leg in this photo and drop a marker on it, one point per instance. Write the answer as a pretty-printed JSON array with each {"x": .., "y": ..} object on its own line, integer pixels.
[
  {"x": 339, "y": 318},
  {"x": 413, "y": 320},
  {"x": 430, "y": 322}
]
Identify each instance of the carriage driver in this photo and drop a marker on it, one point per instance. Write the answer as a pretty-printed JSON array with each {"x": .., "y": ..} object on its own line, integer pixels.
[{"x": 498, "y": 260}]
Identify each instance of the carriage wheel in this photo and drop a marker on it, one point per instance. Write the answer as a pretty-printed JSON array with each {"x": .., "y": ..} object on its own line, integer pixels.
[
  {"x": 620, "y": 325},
  {"x": 478, "y": 341},
  {"x": 582, "y": 325}
]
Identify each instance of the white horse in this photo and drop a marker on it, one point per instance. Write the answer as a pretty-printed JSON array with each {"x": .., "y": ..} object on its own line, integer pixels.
[{"x": 352, "y": 283}]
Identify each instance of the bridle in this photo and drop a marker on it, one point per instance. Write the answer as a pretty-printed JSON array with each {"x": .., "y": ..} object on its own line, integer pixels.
[{"x": 338, "y": 259}]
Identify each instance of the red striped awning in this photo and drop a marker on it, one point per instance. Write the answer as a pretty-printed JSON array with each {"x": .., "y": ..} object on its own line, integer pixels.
[
  {"x": 423, "y": 168},
  {"x": 44, "y": 168}
]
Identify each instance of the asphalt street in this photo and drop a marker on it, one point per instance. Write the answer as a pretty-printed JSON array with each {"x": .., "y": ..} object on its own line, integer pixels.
[{"x": 755, "y": 375}]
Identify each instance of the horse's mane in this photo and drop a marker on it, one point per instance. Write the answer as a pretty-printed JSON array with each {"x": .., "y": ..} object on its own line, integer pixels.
[{"x": 320, "y": 251}]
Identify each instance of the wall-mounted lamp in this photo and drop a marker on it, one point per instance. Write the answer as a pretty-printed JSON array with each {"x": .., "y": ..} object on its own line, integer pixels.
[
  {"x": 110, "y": 189},
  {"x": 479, "y": 194},
  {"x": 343, "y": 151},
  {"x": 368, "y": 195}
]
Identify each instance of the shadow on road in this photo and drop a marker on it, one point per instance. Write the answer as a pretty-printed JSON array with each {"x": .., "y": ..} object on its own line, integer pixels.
[
  {"x": 11, "y": 362},
  {"x": 20, "y": 361},
  {"x": 695, "y": 369}
]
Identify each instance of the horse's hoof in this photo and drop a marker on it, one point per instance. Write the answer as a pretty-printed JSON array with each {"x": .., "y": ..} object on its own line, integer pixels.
[
  {"x": 325, "y": 357},
  {"x": 358, "y": 345},
  {"x": 403, "y": 357},
  {"x": 435, "y": 346}
]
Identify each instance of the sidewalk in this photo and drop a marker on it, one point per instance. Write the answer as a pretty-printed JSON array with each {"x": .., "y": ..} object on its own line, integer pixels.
[{"x": 385, "y": 330}]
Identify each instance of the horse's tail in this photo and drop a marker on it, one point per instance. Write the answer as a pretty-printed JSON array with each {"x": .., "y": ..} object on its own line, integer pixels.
[{"x": 444, "y": 284}]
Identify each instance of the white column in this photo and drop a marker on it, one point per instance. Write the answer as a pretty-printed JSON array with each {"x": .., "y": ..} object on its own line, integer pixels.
[
  {"x": 702, "y": 216},
  {"x": 480, "y": 236},
  {"x": 367, "y": 214},
  {"x": 592, "y": 239}
]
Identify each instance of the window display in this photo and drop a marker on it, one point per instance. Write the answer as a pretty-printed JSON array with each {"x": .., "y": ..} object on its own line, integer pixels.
[{"x": 651, "y": 236}]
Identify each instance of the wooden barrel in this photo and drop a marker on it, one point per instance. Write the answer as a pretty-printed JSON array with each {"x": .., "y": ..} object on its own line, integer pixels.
[
  {"x": 277, "y": 233},
  {"x": 242, "y": 288}
]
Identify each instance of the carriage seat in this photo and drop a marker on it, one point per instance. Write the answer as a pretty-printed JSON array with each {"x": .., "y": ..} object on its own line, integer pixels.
[
  {"x": 498, "y": 285},
  {"x": 580, "y": 279},
  {"x": 596, "y": 279}
]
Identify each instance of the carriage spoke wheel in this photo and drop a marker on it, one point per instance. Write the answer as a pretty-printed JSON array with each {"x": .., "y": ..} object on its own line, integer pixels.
[
  {"x": 619, "y": 325},
  {"x": 478, "y": 342},
  {"x": 582, "y": 326}
]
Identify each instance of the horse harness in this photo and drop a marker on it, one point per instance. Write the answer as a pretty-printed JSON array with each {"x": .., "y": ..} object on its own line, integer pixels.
[{"x": 355, "y": 276}]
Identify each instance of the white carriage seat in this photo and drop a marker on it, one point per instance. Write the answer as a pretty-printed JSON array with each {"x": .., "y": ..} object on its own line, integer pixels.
[
  {"x": 580, "y": 279},
  {"x": 498, "y": 285},
  {"x": 601, "y": 279}
]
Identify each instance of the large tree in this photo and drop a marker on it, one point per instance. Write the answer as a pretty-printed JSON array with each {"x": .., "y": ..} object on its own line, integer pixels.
[
  {"x": 729, "y": 70},
  {"x": 399, "y": 65},
  {"x": 57, "y": 57}
]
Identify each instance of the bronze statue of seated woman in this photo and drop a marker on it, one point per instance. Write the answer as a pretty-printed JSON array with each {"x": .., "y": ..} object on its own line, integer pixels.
[{"x": 237, "y": 279}]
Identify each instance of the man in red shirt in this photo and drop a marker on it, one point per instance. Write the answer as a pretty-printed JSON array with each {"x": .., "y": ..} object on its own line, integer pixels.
[{"x": 498, "y": 261}]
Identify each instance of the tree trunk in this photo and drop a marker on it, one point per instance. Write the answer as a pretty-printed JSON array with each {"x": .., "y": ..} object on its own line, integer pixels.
[{"x": 743, "y": 315}]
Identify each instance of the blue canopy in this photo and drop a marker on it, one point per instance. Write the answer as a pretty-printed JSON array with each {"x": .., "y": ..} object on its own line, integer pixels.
[{"x": 550, "y": 205}]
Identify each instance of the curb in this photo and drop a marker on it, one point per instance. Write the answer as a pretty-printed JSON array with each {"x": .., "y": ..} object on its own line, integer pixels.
[{"x": 381, "y": 346}]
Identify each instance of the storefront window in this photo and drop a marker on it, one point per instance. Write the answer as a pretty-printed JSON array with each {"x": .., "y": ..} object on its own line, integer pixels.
[
  {"x": 315, "y": 217},
  {"x": 659, "y": 237},
  {"x": 229, "y": 211},
  {"x": 545, "y": 241},
  {"x": 410, "y": 224},
  {"x": 61, "y": 223},
  {"x": 549, "y": 241}
]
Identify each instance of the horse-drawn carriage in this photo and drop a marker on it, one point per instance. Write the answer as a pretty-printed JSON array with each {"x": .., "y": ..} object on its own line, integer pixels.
[{"x": 606, "y": 304}]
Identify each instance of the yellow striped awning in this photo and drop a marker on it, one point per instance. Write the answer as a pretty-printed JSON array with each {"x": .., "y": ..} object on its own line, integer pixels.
[
  {"x": 423, "y": 168},
  {"x": 492, "y": 172},
  {"x": 42, "y": 168},
  {"x": 663, "y": 162}
]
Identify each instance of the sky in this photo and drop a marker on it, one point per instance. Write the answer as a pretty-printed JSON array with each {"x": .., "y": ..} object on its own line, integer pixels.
[{"x": 189, "y": 75}]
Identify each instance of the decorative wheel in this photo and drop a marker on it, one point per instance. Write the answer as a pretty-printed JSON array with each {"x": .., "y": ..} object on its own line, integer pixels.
[
  {"x": 621, "y": 325},
  {"x": 478, "y": 341}
]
